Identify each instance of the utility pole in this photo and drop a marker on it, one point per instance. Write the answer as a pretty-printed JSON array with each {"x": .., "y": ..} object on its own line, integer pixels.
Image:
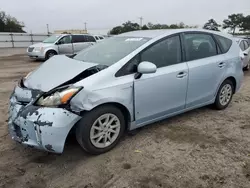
[
  {"x": 141, "y": 18},
  {"x": 47, "y": 28},
  {"x": 85, "y": 26}
]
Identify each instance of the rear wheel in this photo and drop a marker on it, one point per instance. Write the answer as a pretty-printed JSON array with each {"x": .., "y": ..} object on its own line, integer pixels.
[
  {"x": 100, "y": 129},
  {"x": 224, "y": 95},
  {"x": 50, "y": 54},
  {"x": 247, "y": 67}
]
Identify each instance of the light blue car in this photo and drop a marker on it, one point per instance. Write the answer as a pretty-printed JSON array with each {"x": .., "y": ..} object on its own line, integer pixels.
[{"x": 122, "y": 83}]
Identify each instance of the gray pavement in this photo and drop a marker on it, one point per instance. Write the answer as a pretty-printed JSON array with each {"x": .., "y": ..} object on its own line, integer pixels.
[{"x": 4, "y": 52}]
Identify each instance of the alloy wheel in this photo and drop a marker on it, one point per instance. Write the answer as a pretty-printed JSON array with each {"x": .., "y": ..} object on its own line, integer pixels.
[
  {"x": 225, "y": 94},
  {"x": 105, "y": 130}
]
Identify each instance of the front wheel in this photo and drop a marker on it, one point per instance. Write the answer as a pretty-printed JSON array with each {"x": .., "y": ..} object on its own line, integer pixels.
[
  {"x": 100, "y": 129},
  {"x": 224, "y": 95},
  {"x": 50, "y": 54}
]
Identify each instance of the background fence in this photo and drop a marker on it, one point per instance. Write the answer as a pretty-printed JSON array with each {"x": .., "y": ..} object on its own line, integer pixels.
[{"x": 12, "y": 40}]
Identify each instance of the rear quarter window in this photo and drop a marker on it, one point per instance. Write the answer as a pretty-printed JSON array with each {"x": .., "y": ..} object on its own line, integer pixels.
[
  {"x": 90, "y": 38},
  {"x": 225, "y": 43}
]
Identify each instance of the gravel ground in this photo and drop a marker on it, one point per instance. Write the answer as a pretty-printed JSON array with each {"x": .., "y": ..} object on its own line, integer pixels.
[{"x": 201, "y": 148}]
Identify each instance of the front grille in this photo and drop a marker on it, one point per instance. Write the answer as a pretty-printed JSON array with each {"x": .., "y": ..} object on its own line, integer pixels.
[{"x": 30, "y": 49}]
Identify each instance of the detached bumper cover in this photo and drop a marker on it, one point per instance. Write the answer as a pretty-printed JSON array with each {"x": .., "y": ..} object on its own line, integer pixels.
[{"x": 40, "y": 127}]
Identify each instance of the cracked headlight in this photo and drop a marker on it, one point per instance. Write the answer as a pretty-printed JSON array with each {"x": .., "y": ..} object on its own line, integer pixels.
[{"x": 58, "y": 97}]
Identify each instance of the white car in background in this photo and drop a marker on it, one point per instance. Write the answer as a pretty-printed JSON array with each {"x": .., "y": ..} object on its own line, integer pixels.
[
  {"x": 67, "y": 44},
  {"x": 245, "y": 52}
]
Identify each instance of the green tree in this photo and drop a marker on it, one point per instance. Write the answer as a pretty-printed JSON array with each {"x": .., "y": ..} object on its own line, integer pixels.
[
  {"x": 126, "y": 27},
  {"x": 130, "y": 26},
  {"x": 246, "y": 24},
  {"x": 144, "y": 27},
  {"x": 211, "y": 25},
  {"x": 116, "y": 30},
  {"x": 10, "y": 24},
  {"x": 233, "y": 22}
]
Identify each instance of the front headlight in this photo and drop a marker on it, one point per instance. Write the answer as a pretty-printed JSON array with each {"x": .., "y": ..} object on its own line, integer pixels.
[
  {"x": 38, "y": 49},
  {"x": 58, "y": 97}
]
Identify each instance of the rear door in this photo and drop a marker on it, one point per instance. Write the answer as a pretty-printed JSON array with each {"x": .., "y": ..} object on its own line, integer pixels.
[
  {"x": 206, "y": 67},
  {"x": 78, "y": 42},
  {"x": 82, "y": 41},
  {"x": 164, "y": 92}
]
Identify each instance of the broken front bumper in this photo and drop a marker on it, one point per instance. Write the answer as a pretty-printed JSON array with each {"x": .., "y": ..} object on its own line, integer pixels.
[{"x": 40, "y": 127}]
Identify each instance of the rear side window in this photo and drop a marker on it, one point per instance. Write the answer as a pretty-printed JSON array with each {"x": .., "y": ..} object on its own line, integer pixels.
[
  {"x": 77, "y": 38},
  {"x": 246, "y": 44},
  {"x": 242, "y": 46},
  {"x": 199, "y": 45},
  {"x": 89, "y": 38},
  {"x": 101, "y": 37},
  {"x": 224, "y": 42}
]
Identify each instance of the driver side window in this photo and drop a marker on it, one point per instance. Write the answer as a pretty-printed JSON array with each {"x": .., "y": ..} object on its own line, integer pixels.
[
  {"x": 65, "y": 40},
  {"x": 163, "y": 53}
]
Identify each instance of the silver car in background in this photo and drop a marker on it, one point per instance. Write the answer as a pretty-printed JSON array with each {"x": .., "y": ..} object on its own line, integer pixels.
[
  {"x": 123, "y": 83},
  {"x": 60, "y": 44},
  {"x": 245, "y": 52}
]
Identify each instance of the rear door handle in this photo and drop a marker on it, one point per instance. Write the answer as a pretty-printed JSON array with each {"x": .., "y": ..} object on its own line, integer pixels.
[
  {"x": 181, "y": 74},
  {"x": 221, "y": 65}
]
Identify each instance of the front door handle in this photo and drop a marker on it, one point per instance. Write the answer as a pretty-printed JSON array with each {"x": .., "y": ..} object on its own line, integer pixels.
[
  {"x": 221, "y": 65},
  {"x": 181, "y": 74}
]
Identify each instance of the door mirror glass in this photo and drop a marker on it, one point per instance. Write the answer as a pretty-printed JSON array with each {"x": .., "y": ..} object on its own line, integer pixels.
[{"x": 146, "y": 67}]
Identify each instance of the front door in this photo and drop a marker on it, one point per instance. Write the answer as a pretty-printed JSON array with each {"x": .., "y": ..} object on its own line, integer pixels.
[
  {"x": 206, "y": 68},
  {"x": 65, "y": 45},
  {"x": 162, "y": 93}
]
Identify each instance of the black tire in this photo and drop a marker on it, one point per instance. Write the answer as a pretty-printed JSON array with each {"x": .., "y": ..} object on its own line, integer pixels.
[
  {"x": 246, "y": 68},
  {"x": 83, "y": 128},
  {"x": 49, "y": 54},
  {"x": 217, "y": 104}
]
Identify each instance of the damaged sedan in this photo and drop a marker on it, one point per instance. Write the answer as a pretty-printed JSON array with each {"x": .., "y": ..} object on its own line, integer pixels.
[{"x": 123, "y": 83}]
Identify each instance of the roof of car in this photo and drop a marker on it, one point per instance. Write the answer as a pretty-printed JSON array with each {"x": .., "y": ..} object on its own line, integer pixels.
[
  {"x": 239, "y": 39},
  {"x": 64, "y": 34},
  {"x": 157, "y": 33}
]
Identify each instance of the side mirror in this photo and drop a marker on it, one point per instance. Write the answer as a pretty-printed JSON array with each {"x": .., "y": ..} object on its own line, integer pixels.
[{"x": 146, "y": 67}]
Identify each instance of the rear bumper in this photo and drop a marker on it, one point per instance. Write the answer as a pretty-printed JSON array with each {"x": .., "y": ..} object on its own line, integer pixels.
[{"x": 40, "y": 127}]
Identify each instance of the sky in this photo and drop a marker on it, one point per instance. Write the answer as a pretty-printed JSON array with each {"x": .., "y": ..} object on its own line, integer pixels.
[{"x": 105, "y": 14}]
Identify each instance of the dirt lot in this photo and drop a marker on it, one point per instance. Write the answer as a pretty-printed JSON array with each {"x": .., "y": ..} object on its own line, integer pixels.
[{"x": 202, "y": 148}]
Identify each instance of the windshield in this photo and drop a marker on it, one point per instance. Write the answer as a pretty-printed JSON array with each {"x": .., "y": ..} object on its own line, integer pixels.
[
  {"x": 51, "y": 39},
  {"x": 111, "y": 50}
]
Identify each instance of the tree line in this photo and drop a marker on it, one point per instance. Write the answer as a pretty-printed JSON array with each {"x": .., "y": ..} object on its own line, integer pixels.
[
  {"x": 10, "y": 24},
  {"x": 233, "y": 22},
  {"x": 130, "y": 26}
]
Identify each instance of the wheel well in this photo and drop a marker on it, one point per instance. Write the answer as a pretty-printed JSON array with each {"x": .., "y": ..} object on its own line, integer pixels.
[
  {"x": 123, "y": 109},
  {"x": 232, "y": 79},
  {"x": 51, "y": 50}
]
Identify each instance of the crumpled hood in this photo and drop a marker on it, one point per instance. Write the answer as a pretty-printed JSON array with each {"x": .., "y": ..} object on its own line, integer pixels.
[{"x": 54, "y": 72}]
